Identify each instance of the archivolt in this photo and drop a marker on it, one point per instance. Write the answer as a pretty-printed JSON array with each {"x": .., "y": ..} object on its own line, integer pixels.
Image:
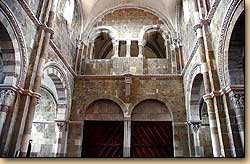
[{"x": 19, "y": 60}]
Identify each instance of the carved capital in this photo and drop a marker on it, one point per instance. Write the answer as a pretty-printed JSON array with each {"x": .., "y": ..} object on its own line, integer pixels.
[
  {"x": 7, "y": 97},
  {"x": 206, "y": 97},
  {"x": 238, "y": 99},
  {"x": 205, "y": 22},
  {"x": 142, "y": 43},
  {"x": 197, "y": 26},
  {"x": 79, "y": 43},
  {"x": 195, "y": 126},
  {"x": 62, "y": 125}
]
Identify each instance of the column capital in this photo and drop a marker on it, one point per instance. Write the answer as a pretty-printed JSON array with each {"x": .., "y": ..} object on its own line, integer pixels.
[
  {"x": 206, "y": 97},
  {"x": 79, "y": 43},
  {"x": 195, "y": 125},
  {"x": 142, "y": 42},
  {"x": 216, "y": 93},
  {"x": 238, "y": 99},
  {"x": 205, "y": 22},
  {"x": 115, "y": 42},
  {"x": 197, "y": 26},
  {"x": 61, "y": 124},
  {"x": 7, "y": 97}
]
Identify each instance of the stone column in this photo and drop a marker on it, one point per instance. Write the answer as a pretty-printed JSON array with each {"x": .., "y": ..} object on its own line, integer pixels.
[
  {"x": 141, "y": 45},
  {"x": 6, "y": 100},
  {"x": 238, "y": 100},
  {"x": 79, "y": 49},
  {"x": 38, "y": 78},
  {"x": 92, "y": 44},
  {"x": 195, "y": 127},
  {"x": 168, "y": 54},
  {"x": 177, "y": 53},
  {"x": 181, "y": 55},
  {"x": 223, "y": 123},
  {"x": 83, "y": 59},
  {"x": 62, "y": 126},
  {"x": 173, "y": 56},
  {"x": 116, "y": 48},
  {"x": 127, "y": 137},
  {"x": 227, "y": 96},
  {"x": 217, "y": 152},
  {"x": 82, "y": 55},
  {"x": 128, "y": 45}
]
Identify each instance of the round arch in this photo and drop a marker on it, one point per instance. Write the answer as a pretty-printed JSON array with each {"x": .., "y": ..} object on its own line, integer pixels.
[
  {"x": 234, "y": 11},
  {"x": 162, "y": 112},
  {"x": 141, "y": 6},
  {"x": 152, "y": 28},
  {"x": 17, "y": 62},
  {"x": 104, "y": 109},
  {"x": 196, "y": 70},
  {"x": 196, "y": 98},
  {"x": 154, "y": 37},
  {"x": 60, "y": 80},
  {"x": 169, "y": 105},
  {"x": 103, "y": 29},
  {"x": 116, "y": 100}
]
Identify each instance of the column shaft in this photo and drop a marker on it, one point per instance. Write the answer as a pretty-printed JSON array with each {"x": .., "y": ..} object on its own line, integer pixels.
[
  {"x": 196, "y": 133},
  {"x": 211, "y": 111},
  {"x": 37, "y": 83},
  {"x": 169, "y": 55},
  {"x": 178, "y": 64},
  {"x": 79, "y": 50},
  {"x": 128, "y": 46},
  {"x": 223, "y": 123},
  {"x": 127, "y": 138},
  {"x": 3, "y": 114},
  {"x": 91, "y": 50}
]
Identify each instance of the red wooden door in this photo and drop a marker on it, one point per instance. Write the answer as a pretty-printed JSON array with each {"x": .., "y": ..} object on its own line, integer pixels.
[
  {"x": 152, "y": 139},
  {"x": 103, "y": 139}
]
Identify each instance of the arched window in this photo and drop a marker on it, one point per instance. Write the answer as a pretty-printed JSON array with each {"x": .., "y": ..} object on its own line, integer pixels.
[
  {"x": 155, "y": 45},
  {"x": 103, "y": 47}
]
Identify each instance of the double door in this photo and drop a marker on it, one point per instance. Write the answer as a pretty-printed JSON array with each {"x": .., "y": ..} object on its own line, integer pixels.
[{"x": 105, "y": 139}]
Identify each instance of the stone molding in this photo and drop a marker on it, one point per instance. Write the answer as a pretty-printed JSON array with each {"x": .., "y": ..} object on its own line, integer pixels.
[
  {"x": 222, "y": 39},
  {"x": 138, "y": 77},
  {"x": 20, "y": 39}
]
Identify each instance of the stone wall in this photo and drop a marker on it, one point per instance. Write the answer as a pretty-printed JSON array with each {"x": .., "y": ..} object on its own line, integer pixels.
[
  {"x": 186, "y": 29},
  {"x": 167, "y": 89},
  {"x": 66, "y": 34},
  {"x": 123, "y": 65},
  {"x": 128, "y": 21}
]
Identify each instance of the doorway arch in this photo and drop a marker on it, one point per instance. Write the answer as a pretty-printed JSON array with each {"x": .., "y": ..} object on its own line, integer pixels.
[{"x": 151, "y": 130}]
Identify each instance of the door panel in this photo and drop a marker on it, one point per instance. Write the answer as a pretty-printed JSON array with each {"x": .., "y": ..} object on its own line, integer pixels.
[
  {"x": 103, "y": 139},
  {"x": 152, "y": 139}
]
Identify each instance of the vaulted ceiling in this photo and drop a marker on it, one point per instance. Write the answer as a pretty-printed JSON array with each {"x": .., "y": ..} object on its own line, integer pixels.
[{"x": 93, "y": 9}]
